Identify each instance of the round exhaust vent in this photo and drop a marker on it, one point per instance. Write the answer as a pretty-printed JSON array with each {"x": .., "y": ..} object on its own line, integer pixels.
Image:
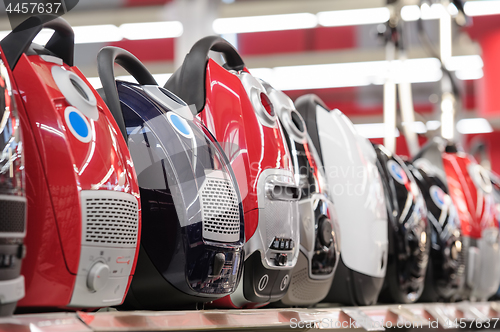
[{"x": 76, "y": 92}]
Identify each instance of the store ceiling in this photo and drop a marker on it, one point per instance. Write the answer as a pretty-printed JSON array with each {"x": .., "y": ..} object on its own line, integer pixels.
[
  {"x": 319, "y": 45},
  {"x": 365, "y": 48}
]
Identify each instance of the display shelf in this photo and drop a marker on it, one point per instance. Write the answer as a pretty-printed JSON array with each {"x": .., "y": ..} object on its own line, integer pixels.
[
  {"x": 373, "y": 318},
  {"x": 51, "y": 322}
]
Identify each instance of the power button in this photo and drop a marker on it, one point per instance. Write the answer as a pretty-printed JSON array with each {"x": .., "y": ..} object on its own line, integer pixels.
[{"x": 97, "y": 277}]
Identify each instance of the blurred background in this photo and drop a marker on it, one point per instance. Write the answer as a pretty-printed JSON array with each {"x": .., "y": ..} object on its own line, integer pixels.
[{"x": 332, "y": 48}]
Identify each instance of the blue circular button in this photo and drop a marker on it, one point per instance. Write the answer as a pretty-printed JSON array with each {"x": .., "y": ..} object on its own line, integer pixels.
[
  {"x": 440, "y": 199},
  {"x": 438, "y": 196},
  {"x": 78, "y": 123},
  {"x": 397, "y": 172},
  {"x": 180, "y": 124}
]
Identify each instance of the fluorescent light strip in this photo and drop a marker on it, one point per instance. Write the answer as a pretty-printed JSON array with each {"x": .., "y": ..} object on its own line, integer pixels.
[
  {"x": 410, "y": 13},
  {"x": 151, "y": 30},
  {"x": 432, "y": 12},
  {"x": 474, "y": 126},
  {"x": 463, "y": 62},
  {"x": 373, "y": 130},
  {"x": 464, "y": 126},
  {"x": 348, "y": 74},
  {"x": 418, "y": 127},
  {"x": 301, "y": 20},
  {"x": 110, "y": 33},
  {"x": 161, "y": 79},
  {"x": 447, "y": 116},
  {"x": 97, "y": 34},
  {"x": 173, "y": 29},
  {"x": 95, "y": 82},
  {"x": 480, "y": 8},
  {"x": 335, "y": 18},
  {"x": 43, "y": 37},
  {"x": 452, "y": 9},
  {"x": 264, "y": 23},
  {"x": 469, "y": 74},
  {"x": 433, "y": 125},
  {"x": 426, "y": 12},
  {"x": 354, "y": 17}
]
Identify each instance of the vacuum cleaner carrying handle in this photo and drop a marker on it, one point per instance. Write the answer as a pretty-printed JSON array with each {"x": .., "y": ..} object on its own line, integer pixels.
[
  {"x": 188, "y": 83},
  {"x": 62, "y": 42},
  {"x": 106, "y": 59}
]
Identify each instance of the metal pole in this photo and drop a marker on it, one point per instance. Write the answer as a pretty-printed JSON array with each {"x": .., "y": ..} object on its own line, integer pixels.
[
  {"x": 448, "y": 101},
  {"x": 390, "y": 100}
]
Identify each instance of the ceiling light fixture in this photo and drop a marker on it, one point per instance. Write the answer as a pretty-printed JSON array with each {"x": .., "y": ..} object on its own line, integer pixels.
[
  {"x": 161, "y": 79},
  {"x": 354, "y": 73},
  {"x": 354, "y": 17},
  {"x": 264, "y": 23},
  {"x": 474, "y": 126},
  {"x": 480, "y": 8},
  {"x": 111, "y": 33},
  {"x": 373, "y": 130},
  {"x": 151, "y": 30}
]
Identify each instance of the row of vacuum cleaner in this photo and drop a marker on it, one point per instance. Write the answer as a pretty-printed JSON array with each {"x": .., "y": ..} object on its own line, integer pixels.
[{"x": 218, "y": 190}]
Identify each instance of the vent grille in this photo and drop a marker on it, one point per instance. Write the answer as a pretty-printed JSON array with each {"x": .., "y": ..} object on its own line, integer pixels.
[
  {"x": 220, "y": 209},
  {"x": 13, "y": 216},
  {"x": 304, "y": 290},
  {"x": 462, "y": 259},
  {"x": 280, "y": 219},
  {"x": 110, "y": 219}
]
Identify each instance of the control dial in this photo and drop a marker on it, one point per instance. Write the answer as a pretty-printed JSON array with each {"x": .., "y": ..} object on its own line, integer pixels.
[
  {"x": 98, "y": 276},
  {"x": 325, "y": 232}
]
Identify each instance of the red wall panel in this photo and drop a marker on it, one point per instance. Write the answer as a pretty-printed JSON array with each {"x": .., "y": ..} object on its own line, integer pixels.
[
  {"x": 273, "y": 42},
  {"x": 488, "y": 99},
  {"x": 150, "y": 49},
  {"x": 401, "y": 147},
  {"x": 492, "y": 147},
  {"x": 334, "y": 38},
  {"x": 293, "y": 41},
  {"x": 132, "y": 3}
]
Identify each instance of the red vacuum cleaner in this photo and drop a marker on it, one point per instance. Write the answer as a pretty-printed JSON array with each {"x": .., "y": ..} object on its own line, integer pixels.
[
  {"x": 12, "y": 193},
  {"x": 237, "y": 111},
  {"x": 84, "y": 207},
  {"x": 471, "y": 191}
]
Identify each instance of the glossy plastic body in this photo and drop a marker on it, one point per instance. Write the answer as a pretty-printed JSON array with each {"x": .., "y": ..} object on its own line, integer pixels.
[
  {"x": 409, "y": 230},
  {"x": 356, "y": 188},
  {"x": 192, "y": 228},
  {"x": 235, "y": 108},
  {"x": 261, "y": 161},
  {"x": 471, "y": 192},
  {"x": 60, "y": 166},
  {"x": 319, "y": 230},
  {"x": 495, "y": 181},
  {"x": 12, "y": 194},
  {"x": 446, "y": 269}
]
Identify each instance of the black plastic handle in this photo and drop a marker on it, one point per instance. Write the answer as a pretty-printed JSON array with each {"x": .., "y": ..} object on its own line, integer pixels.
[
  {"x": 106, "y": 59},
  {"x": 431, "y": 144},
  {"x": 306, "y": 106},
  {"x": 62, "y": 42},
  {"x": 188, "y": 82}
]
